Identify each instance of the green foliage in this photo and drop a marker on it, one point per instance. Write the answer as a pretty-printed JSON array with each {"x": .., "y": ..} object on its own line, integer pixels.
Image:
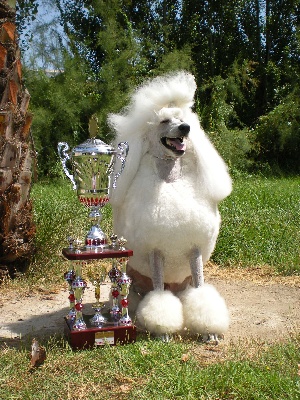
[
  {"x": 120, "y": 68},
  {"x": 175, "y": 60},
  {"x": 217, "y": 102},
  {"x": 62, "y": 105},
  {"x": 244, "y": 54},
  {"x": 26, "y": 10},
  {"x": 278, "y": 135},
  {"x": 63, "y": 102}
]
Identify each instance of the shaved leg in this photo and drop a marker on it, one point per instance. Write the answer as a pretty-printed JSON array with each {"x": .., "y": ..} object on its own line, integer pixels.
[
  {"x": 157, "y": 268},
  {"x": 196, "y": 265}
]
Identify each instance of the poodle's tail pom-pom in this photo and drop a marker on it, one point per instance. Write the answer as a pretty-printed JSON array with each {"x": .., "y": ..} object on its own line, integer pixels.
[
  {"x": 204, "y": 310},
  {"x": 160, "y": 312}
]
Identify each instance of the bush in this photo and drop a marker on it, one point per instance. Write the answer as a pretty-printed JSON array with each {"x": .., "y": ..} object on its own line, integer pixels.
[
  {"x": 278, "y": 135},
  {"x": 220, "y": 121},
  {"x": 61, "y": 105}
]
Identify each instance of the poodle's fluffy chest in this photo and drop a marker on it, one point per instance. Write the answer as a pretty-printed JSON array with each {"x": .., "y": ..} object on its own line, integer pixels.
[{"x": 166, "y": 211}]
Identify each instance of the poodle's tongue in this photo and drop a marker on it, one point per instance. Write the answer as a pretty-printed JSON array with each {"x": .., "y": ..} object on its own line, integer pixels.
[{"x": 176, "y": 143}]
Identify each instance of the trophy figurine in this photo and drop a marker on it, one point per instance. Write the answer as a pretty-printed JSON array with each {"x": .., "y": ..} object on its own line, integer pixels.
[
  {"x": 97, "y": 279},
  {"x": 92, "y": 165}
]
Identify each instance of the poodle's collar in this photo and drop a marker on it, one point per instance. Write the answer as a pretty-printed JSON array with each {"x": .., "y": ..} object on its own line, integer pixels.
[{"x": 168, "y": 158}]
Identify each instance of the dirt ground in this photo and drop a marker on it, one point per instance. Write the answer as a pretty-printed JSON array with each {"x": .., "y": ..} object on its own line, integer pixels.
[{"x": 262, "y": 307}]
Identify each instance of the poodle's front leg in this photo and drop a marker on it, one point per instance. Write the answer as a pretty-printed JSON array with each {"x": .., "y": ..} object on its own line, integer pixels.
[
  {"x": 204, "y": 310},
  {"x": 157, "y": 269},
  {"x": 196, "y": 265},
  {"x": 160, "y": 312}
]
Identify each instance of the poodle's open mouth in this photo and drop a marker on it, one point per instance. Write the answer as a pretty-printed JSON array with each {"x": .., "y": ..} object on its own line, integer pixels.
[{"x": 177, "y": 145}]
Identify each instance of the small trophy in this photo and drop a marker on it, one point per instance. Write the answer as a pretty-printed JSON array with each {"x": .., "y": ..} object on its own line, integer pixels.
[
  {"x": 97, "y": 278},
  {"x": 92, "y": 166}
]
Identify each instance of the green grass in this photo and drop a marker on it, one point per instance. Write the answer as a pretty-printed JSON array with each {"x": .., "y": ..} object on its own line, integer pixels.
[
  {"x": 261, "y": 225},
  {"x": 150, "y": 369}
]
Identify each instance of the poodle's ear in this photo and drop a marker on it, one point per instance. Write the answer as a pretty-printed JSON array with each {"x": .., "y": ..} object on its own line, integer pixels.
[
  {"x": 132, "y": 163},
  {"x": 116, "y": 121},
  {"x": 212, "y": 169},
  {"x": 135, "y": 153}
]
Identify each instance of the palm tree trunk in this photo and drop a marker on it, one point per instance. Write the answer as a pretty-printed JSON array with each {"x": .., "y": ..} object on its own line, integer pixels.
[{"x": 16, "y": 222}]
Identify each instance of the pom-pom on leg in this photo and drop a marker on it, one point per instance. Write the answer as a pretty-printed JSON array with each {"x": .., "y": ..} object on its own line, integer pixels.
[
  {"x": 204, "y": 311},
  {"x": 160, "y": 313}
]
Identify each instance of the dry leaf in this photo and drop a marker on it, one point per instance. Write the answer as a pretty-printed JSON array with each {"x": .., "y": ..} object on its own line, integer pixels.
[
  {"x": 38, "y": 354},
  {"x": 185, "y": 357},
  {"x": 144, "y": 352},
  {"x": 124, "y": 388}
]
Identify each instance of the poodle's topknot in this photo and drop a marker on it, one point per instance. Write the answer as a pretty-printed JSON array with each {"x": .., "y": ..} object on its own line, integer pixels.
[
  {"x": 175, "y": 89},
  {"x": 171, "y": 90}
]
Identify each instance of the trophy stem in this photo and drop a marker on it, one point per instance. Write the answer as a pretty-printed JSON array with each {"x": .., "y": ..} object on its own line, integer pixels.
[
  {"x": 78, "y": 285},
  {"x": 98, "y": 319},
  {"x": 95, "y": 237},
  {"x": 114, "y": 275},
  {"x": 124, "y": 283},
  {"x": 70, "y": 277}
]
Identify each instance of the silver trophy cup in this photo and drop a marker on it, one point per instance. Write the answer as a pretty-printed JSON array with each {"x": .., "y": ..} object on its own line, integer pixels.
[{"x": 93, "y": 176}]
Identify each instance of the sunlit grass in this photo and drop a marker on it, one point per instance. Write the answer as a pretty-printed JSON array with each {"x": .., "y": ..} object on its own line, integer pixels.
[
  {"x": 150, "y": 369},
  {"x": 261, "y": 224}
]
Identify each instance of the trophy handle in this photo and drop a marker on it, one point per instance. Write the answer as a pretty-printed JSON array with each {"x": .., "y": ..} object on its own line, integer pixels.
[
  {"x": 62, "y": 148},
  {"x": 124, "y": 148}
]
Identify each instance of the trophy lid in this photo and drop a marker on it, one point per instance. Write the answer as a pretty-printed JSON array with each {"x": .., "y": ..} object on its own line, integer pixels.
[{"x": 93, "y": 146}]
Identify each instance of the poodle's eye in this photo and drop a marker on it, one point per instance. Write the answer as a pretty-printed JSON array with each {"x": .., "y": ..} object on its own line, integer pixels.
[{"x": 165, "y": 121}]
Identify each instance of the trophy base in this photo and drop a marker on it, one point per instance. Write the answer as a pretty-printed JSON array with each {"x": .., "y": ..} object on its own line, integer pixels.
[
  {"x": 98, "y": 336},
  {"x": 84, "y": 254}
]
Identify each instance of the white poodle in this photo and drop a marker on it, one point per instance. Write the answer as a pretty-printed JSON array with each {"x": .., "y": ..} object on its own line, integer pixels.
[{"x": 165, "y": 205}]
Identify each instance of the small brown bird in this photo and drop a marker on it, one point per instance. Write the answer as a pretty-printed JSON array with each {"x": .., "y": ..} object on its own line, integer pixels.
[{"x": 38, "y": 354}]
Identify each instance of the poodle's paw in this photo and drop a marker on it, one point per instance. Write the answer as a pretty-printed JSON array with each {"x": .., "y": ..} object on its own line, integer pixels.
[
  {"x": 166, "y": 338},
  {"x": 211, "y": 338},
  {"x": 205, "y": 312},
  {"x": 160, "y": 312}
]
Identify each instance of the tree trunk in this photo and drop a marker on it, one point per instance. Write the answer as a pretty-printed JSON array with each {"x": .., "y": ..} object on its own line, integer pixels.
[{"x": 16, "y": 222}]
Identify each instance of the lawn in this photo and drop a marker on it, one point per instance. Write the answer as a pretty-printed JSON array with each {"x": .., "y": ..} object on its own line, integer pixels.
[
  {"x": 151, "y": 369},
  {"x": 261, "y": 225}
]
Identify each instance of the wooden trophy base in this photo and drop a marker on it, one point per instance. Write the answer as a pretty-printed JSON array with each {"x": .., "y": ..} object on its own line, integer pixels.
[{"x": 93, "y": 336}]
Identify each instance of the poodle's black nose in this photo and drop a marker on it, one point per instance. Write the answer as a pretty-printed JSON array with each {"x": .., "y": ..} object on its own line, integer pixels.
[{"x": 184, "y": 128}]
